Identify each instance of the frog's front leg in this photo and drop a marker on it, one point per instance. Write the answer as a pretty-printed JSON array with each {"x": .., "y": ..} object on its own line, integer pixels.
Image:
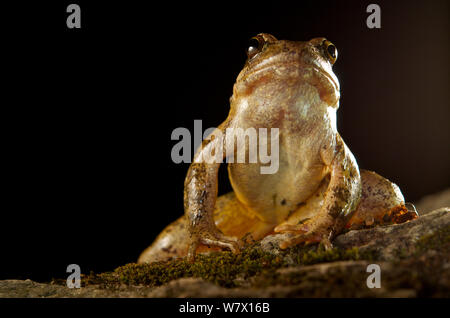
[
  {"x": 341, "y": 199},
  {"x": 200, "y": 194}
]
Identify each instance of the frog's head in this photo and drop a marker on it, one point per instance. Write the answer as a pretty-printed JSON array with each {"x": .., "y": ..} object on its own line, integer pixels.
[{"x": 285, "y": 65}]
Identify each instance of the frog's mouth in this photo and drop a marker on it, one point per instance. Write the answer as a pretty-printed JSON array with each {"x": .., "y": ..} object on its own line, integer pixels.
[
  {"x": 280, "y": 68},
  {"x": 331, "y": 77}
]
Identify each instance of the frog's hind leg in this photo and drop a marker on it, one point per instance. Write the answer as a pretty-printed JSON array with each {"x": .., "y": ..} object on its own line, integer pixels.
[
  {"x": 231, "y": 218},
  {"x": 381, "y": 202},
  {"x": 172, "y": 242}
]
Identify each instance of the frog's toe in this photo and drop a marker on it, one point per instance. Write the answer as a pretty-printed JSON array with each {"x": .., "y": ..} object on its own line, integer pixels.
[
  {"x": 293, "y": 234},
  {"x": 222, "y": 241},
  {"x": 216, "y": 238},
  {"x": 292, "y": 228},
  {"x": 211, "y": 242},
  {"x": 291, "y": 239}
]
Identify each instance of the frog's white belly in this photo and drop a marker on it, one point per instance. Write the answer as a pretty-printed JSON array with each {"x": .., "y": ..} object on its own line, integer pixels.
[
  {"x": 305, "y": 125},
  {"x": 273, "y": 196}
]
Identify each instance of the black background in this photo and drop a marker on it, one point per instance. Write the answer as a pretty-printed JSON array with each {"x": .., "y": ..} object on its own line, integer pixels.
[{"x": 87, "y": 114}]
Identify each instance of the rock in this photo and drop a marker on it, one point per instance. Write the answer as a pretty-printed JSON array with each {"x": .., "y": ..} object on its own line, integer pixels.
[
  {"x": 189, "y": 287},
  {"x": 388, "y": 241},
  {"x": 30, "y": 289},
  {"x": 409, "y": 269},
  {"x": 385, "y": 241}
]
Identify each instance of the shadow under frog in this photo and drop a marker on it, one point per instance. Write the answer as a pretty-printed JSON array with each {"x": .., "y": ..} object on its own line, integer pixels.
[{"x": 318, "y": 190}]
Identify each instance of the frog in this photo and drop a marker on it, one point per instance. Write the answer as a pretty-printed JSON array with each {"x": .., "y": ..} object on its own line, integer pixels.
[{"x": 318, "y": 190}]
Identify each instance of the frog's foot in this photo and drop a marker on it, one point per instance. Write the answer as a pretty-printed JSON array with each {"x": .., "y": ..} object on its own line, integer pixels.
[
  {"x": 286, "y": 227},
  {"x": 301, "y": 233},
  {"x": 174, "y": 242},
  {"x": 381, "y": 203},
  {"x": 291, "y": 239},
  {"x": 232, "y": 221},
  {"x": 212, "y": 239}
]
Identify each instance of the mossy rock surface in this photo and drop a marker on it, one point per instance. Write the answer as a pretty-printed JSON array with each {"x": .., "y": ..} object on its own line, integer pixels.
[
  {"x": 413, "y": 258},
  {"x": 224, "y": 268}
]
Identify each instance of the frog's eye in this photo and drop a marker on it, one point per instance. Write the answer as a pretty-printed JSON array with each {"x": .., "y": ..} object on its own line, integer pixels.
[
  {"x": 255, "y": 46},
  {"x": 330, "y": 51}
]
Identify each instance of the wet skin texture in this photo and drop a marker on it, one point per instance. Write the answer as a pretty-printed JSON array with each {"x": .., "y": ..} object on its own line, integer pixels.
[{"x": 318, "y": 189}]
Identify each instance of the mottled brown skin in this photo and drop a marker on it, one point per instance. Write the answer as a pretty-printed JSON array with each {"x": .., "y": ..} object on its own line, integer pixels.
[{"x": 318, "y": 189}]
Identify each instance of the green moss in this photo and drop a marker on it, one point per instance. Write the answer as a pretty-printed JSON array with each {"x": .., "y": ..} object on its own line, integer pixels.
[
  {"x": 438, "y": 241},
  {"x": 259, "y": 269},
  {"x": 316, "y": 255},
  {"x": 222, "y": 268}
]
